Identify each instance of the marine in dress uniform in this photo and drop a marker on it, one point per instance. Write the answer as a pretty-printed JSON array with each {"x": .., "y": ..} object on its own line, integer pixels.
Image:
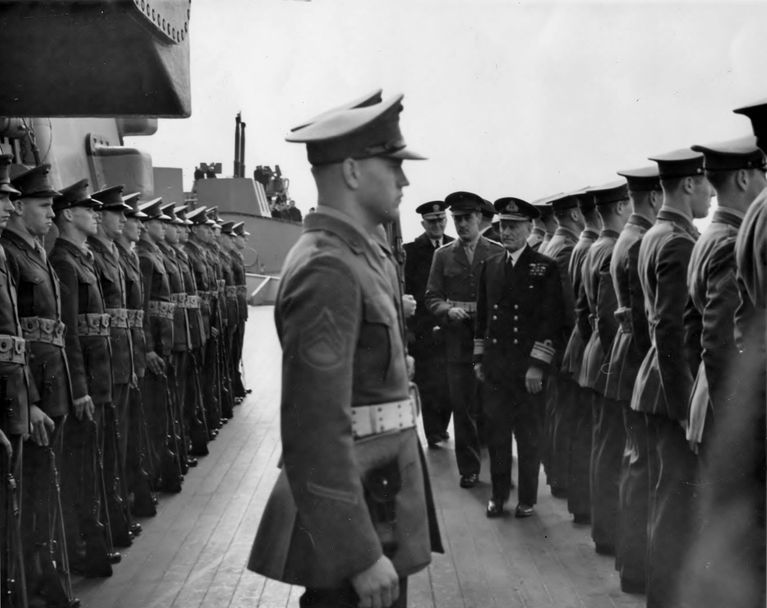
[
  {"x": 17, "y": 395},
  {"x": 39, "y": 309},
  {"x": 664, "y": 382},
  {"x": 451, "y": 294},
  {"x": 736, "y": 172},
  {"x": 239, "y": 239},
  {"x": 598, "y": 300},
  {"x": 575, "y": 401},
  {"x": 518, "y": 328},
  {"x": 89, "y": 356},
  {"x": 427, "y": 340},
  {"x": 111, "y": 220},
  {"x": 158, "y": 333},
  {"x": 350, "y": 516},
  {"x": 544, "y": 225},
  {"x": 140, "y": 467},
  {"x": 632, "y": 341},
  {"x": 232, "y": 307},
  {"x": 560, "y": 248}
]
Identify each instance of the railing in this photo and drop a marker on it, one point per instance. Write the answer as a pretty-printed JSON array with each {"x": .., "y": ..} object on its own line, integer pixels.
[{"x": 262, "y": 288}]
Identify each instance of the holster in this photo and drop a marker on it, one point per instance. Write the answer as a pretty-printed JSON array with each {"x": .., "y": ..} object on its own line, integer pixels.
[{"x": 381, "y": 487}]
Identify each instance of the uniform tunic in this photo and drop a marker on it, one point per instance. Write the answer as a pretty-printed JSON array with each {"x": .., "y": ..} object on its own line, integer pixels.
[
  {"x": 520, "y": 313},
  {"x": 337, "y": 316},
  {"x": 453, "y": 278},
  {"x": 629, "y": 347},
  {"x": 662, "y": 391},
  {"x": 428, "y": 344}
]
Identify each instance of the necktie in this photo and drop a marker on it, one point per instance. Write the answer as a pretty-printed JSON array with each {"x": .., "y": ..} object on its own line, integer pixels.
[{"x": 40, "y": 251}]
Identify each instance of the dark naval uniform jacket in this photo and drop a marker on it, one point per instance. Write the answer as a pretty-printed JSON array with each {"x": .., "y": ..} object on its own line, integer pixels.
[
  {"x": 83, "y": 312},
  {"x": 665, "y": 378},
  {"x": 112, "y": 282},
  {"x": 181, "y": 339},
  {"x": 134, "y": 302},
  {"x": 418, "y": 257},
  {"x": 453, "y": 279},
  {"x": 633, "y": 338},
  {"x": 560, "y": 249},
  {"x": 205, "y": 283},
  {"x": 711, "y": 278},
  {"x": 572, "y": 358},
  {"x": 519, "y": 315},
  {"x": 600, "y": 301},
  {"x": 192, "y": 304},
  {"x": 39, "y": 306},
  {"x": 339, "y": 322},
  {"x": 14, "y": 377}
]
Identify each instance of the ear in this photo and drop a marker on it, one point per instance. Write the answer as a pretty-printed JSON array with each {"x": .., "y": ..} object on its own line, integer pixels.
[
  {"x": 67, "y": 215},
  {"x": 656, "y": 198},
  {"x": 620, "y": 208},
  {"x": 688, "y": 185},
  {"x": 350, "y": 170},
  {"x": 18, "y": 207},
  {"x": 742, "y": 180}
]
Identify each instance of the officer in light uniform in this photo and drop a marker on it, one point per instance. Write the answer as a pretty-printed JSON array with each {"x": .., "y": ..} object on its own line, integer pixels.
[
  {"x": 599, "y": 301},
  {"x": 348, "y": 517},
  {"x": 629, "y": 348},
  {"x": 560, "y": 248},
  {"x": 427, "y": 339},
  {"x": 518, "y": 328},
  {"x": 664, "y": 382},
  {"x": 736, "y": 172},
  {"x": 451, "y": 294},
  {"x": 576, "y": 401}
]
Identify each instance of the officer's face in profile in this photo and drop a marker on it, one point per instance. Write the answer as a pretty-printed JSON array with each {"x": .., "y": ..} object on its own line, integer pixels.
[
  {"x": 701, "y": 196},
  {"x": 85, "y": 220},
  {"x": 467, "y": 225},
  {"x": 381, "y": 180},
  {"x": 132, "y": 229},
  {"x": 112, "y": 223},
  {"x": 514, "y": 234},
  {"x": 156, "y": 229},
  {"x": 36, "y": 214},
  {"x": 6, "y": 209},
  {"x": 171, "y": 233},
  {"x": 434, "y": 228}
]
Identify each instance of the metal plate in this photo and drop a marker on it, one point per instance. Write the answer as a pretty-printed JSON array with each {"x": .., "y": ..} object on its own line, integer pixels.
[{"x": 169, "y": 17}]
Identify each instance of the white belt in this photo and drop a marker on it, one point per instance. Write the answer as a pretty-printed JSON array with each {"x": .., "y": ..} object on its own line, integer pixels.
[{"x": 383, "y": 417}]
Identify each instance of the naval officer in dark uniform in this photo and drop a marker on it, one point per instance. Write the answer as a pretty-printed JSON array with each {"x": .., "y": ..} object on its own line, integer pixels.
[
  {"x": 349, "y": 517},
  {"x": 451, "y": 296},
  {"x": 664, "y": 381},
  {"x": 518, "y": 329},
  {"x": 428, "y": 343}
]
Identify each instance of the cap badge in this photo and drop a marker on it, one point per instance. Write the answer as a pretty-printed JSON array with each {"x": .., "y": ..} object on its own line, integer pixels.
[
  {"x": 512, "y": 207},
  {"x": 436, "y": 208}
]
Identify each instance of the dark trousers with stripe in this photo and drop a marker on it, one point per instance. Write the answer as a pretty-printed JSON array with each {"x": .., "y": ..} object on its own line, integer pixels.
[{"x": 462, "y": 387}]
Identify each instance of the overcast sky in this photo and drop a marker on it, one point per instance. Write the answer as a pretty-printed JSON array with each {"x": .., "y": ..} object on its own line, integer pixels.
[{"x": 505, "y": 98}]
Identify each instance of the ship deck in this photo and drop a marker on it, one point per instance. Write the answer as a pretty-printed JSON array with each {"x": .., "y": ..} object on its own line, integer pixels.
[{"x": 193, "y": 552}]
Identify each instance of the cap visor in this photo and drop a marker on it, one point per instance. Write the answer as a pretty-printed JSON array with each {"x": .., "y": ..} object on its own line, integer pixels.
[
  {"x": 513, "y": 217},
  {"x": 406, "y": 154},
  {"x": 139, "y": 215},
  {"x": 6, "y": 189}
]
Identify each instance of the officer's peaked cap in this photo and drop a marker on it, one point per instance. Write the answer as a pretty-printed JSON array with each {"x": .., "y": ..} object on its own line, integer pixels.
[
  {"x": 757, "y": 112},
  {"x": 643, "y": 179},
  {"x": 741, "y": 153},
  {"x": 76, "y": 195},
  {"x": 153, "y": 210},
  {"x": 679, "y": 163},
  {"x": 181, "y": 213},
  {"x": 358, "y": 132},
  {"x": 132, "y": 200},
  {"x": 111, "y": 199},
  {"x": 34, "y": 183},
  {"x": 464, "y": 202},
  {"x": 433, "y": 210},
  {"x": 368, "y": 99},
  {"x": 613, "y": 192},
  {"x": 562, "y": 202},
  {"x": 5, "y": 176},
  {"x": 514, "y": 209}
]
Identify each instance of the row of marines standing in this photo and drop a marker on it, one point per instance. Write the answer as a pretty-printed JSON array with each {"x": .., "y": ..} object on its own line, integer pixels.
[
  {"x": 653, "y": 422},
  {"x": 119, "y": 360}
]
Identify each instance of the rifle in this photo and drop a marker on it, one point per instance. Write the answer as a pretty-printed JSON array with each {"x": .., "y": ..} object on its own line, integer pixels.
[
  {"x": 144, "y": 500},
  {"x": 179, "y": 435},
  {"x": 198, "y": 429},
  {"x": 170, "y": 469},
  {"x": 14, "y": 588},
  {"x": 101, "y": 482},
  {"x": 115, "y": 505},
  {"x": 227, "y": 396}
]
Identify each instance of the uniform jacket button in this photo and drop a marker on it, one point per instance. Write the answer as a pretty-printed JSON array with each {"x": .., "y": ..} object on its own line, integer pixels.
[{"x": 495, "y": 341}]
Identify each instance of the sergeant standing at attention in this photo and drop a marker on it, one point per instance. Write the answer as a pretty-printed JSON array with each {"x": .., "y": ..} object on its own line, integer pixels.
[
  {"x": 111, "y": 220},
  {"x": 17, "y": 395},
  {"x": 89, "y": 357},
  {"x": 560, "y": 248},
  {"x": 39, "y": 309},
  {"x": 664, "y": 381},
  {"x": 349, "y": 517},
  {"x": 158, "y": 333},
  {"x": 232, "y": 305},
  {"x": 629, "y": 348},
  {"x": 139, "y": 465},
  {"x": 735, "y": 169},
  {"x": 427, "y": 337},
  {"x": 575, "y": 401},
  {"x": 451, "y": 296},
  {"x": 239, "y": 237},
  {"x": 519, "y": 317},
  {"x": 599, "y": 302}
]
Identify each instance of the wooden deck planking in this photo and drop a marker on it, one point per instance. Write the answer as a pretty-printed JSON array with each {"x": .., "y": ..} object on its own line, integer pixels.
[{"x": 193, "y": 553}]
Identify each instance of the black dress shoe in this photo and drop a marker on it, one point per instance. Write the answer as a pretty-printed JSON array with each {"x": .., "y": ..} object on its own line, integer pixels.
[
  {"x": 444, "y": 435},
  {"x": 523, "y": 510},
  {"x": 631, "y": 586},
  {"x": 470, "y": 480},
  {"x": 136, "y": 529},
  {"x": 605, "y": 549},
  {"x": 191, "y": 461},
  {"x": 494, "y": 508},
  {"x": 433, "y": 441},
  {"x": 558, "y": 492},
  {"x": 582, "y": 518}
]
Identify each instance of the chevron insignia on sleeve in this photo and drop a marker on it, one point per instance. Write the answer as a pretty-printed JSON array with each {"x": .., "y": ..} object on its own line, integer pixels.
[
  {"x": 322, "y": 345},
  {"x": 543, "y": 351},
  {"x": 479, "y": 346}
]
